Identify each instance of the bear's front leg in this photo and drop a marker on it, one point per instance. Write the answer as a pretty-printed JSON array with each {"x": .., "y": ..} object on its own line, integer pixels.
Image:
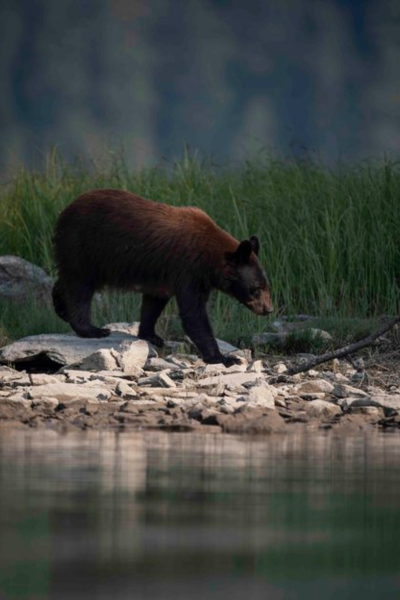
[
  {"x": 192, "y": 310},
  {"x": 152, "y": 307}
]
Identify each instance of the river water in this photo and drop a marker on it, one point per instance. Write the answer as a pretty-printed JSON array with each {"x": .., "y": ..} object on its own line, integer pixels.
[{"x": 165, "y": 516}]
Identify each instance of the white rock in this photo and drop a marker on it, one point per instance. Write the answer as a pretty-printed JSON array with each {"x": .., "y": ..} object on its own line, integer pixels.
[
  {"x": 230, "y": 378},
  {"x": 227, "y": 409},
  {"x": 108, "y": 380},
  {"x": 235, "y": 388},
  {"x": 165, "y": 380},
  {"x": 183, "y": 362},
  {"x": 65, "y": 392},
  {"x": 160, "y": 379},
  {"x": 115, "y": 374},
  {"x": 132, "y": 356},
  {"x": 46, "y": 402},
  {"x": 388, "y": 401},
  {"x": 131, "y": 328},
  {"x": 340, "y": 378},
  {"x": 215, "y": 369},
  {"x": 18, "y": 397},
  {"x": 237, "y": 368},
  {"x": 312, "y": 373},
  {"x": 9, "y": 375},
  {"x": 16, "y": 400},
  {"x": 335, "y": 364},
  {"x": 76, "y": 375},
  {"x": 94, "y": 382},
  {"x": 21, "y": 381},
  {"x": 280, "y": 368},
  {"x": 185, "y": 394},
  {"x": 342, "y": 390},
  {"x": 375, "y": 391},
  {"x": 219, "y": 369},
  {"x": 280, "y": 401},
  {"x": 315, "y": 386},
  {"x": 157, "y": 391},
  {"x": 154, "y": 399},
  {"x": 352, "y": 402},
  {"x": 281, "y": 391},
  {"x": 101, "y": 360},
  {"x": 44, "y": 378},
  {"x": 261, "y": 395},
  {"x": 190, "y": 400},
  {"x": 125, "y": 391},
  {"x": 256, "y": 367},
  {"x": 231, "y": 400},
  {"x": 321, "y": 408},
  {"x": 160, "y": 364}
]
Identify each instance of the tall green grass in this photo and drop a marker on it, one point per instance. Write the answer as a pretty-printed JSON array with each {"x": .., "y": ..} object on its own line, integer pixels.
[{"x": 330, "y": 238}]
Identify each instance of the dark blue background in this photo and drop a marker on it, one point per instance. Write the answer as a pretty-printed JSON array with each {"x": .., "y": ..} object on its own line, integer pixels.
[{"x": 227, "y": 77}]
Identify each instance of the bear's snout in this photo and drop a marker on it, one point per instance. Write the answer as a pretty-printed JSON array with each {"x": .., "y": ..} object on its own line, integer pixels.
[{"x": 262, "y": 305}]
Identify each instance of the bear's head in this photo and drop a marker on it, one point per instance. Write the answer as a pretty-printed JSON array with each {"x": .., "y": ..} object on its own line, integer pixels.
[{"x": 246, "y": 279}]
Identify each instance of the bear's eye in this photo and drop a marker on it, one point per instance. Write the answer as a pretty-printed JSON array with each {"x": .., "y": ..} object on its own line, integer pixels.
[{"x": 255, "y": 292}]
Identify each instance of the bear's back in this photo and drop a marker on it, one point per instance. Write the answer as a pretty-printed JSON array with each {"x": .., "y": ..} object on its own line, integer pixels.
[{"x": 115, "y": 237}]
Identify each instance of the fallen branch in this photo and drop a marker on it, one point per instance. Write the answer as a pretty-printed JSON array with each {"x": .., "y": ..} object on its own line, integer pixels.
[{"x": 346, "y": 350}]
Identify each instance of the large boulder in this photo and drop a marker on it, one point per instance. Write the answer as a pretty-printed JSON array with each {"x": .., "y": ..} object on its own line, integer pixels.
[
  {"x": 21, "y": 281},
  {"x": 69, "y": 349}
]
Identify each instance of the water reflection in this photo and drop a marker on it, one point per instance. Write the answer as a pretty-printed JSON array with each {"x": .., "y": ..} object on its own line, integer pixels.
[{"x": 140, "y": 515}]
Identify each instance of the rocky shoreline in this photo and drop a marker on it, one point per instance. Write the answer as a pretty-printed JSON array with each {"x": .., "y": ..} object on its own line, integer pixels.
[{"x": 125, "y": 385}]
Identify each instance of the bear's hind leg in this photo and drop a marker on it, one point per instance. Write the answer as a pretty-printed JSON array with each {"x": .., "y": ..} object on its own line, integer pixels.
[
  {"x": 58, "y": 301},
  {"x": 151, "y": 309},
  {"x": 78, "y": 300}
]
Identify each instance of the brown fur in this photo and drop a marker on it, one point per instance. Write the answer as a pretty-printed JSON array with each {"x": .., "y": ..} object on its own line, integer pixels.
[{"x": 118, "y": 239}]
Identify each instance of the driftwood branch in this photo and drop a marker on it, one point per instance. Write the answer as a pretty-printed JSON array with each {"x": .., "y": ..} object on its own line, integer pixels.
[{"x": 346, "y": 350}]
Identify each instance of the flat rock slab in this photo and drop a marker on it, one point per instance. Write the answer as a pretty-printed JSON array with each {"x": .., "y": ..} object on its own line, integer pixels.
[
  {"x": 388, "y": 401},
  {"x": 65, "y": 392},
  {"x": 10, "y": 375},
  {"x": 342, "y": 390},
  {"x": 229, "y": 379},
  {"x": 391, "y": 401},
  {"x": 64, "y": 349}
]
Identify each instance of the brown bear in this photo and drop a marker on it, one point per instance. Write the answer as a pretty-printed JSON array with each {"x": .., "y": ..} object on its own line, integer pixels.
[{"x": 114, "y": 238}]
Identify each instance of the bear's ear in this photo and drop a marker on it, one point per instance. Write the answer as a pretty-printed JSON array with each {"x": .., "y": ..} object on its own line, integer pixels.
[
  {"x": 255, "y": 244},
  {"x": 243, "y": 252}
]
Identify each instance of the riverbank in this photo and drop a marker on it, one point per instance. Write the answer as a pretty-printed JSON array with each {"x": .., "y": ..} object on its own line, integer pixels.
[
  {"x": 129, "y": 387},
  {"x": 329, "y": 243}
]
